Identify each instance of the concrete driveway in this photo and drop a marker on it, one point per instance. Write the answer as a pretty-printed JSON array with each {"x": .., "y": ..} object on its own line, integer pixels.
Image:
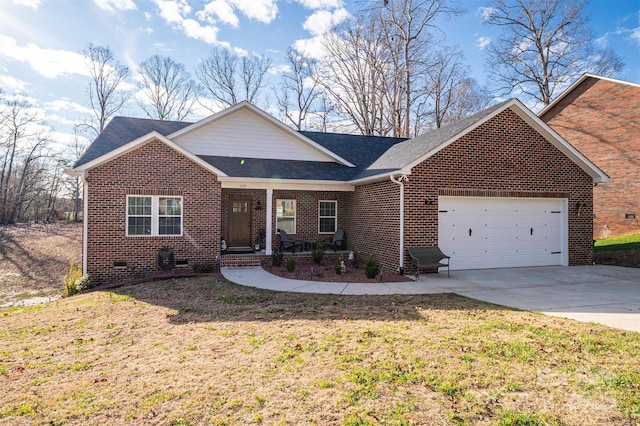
[{"x": 607, "y": 295}]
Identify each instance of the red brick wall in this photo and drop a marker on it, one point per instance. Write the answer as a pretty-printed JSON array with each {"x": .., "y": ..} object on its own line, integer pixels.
[
  {"x": 374, "y": 222},
  {"x": 501, "y": 158},
  {"x": 602, "y": 119},
  {"x": 152, "y": 169}
]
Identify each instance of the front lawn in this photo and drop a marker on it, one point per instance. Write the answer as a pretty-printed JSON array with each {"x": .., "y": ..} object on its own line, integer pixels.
[{"x": 204, "y": 351}]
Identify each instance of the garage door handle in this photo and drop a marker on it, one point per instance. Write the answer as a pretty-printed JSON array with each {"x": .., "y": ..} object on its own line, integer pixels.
[
  {"x": 531, "y": 231},
  {"x": 469, "y": 231}
]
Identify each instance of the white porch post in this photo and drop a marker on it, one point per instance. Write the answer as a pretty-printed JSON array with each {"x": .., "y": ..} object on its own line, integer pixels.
[{"x": 269, "y": 226}]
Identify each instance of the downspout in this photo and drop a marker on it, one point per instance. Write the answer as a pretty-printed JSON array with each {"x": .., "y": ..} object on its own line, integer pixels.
[
  {"x": 85, "y": 224},
  {"x": 401, "y": 182}
]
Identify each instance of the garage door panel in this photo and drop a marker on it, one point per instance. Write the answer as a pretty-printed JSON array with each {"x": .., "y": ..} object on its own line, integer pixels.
[{"x": 500, "y": 232}]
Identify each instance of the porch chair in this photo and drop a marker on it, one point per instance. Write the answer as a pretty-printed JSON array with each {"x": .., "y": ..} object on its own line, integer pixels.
[
  {"x": 338, "y": 242},
  {"x": 287, "y": 244}
]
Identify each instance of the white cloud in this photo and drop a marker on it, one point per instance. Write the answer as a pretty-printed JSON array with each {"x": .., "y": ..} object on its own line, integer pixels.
[
  {"x": 635, "y": 35},
  {"x": 486, "y": 13},
  {"x": 602, "y": 41},
  {"x": 322, "y": 21},
  {"x": 49, "y": 63},
  {"x": 114, "y": 6},
  {"x": 218, "y": 9},
  {"x": 173, "y": 11},
  {"x": 33, "y": 4},
  {"x": 176, "y": 11},
  {"x": 280, "y": 69},
  {"x": 193, "y": 29},
  {"x": 11, "y": 84},
  {"x": 66, "y": 105},
  {"x": 483, "y": 42},
  {"x": 260, "y": 10},
  {"x": 321, "y": 4},
  {"x": 311, "y": 47}
]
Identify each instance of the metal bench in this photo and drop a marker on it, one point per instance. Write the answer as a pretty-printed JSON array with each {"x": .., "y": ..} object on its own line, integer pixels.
[{"x": 428, "y": 257}]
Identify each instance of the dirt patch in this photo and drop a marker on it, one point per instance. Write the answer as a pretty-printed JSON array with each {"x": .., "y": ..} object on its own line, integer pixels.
[
  {"x": 35, "y": 257},
  {"x": 326, "y": 271},
  {"x": 629, "y": 258}
]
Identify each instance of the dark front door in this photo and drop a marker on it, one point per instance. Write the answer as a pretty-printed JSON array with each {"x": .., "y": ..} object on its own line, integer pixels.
[{"x": 240, "y": 223}]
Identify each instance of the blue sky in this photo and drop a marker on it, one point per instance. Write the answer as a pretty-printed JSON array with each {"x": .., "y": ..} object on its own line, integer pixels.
[{"x": 41, "y": 40}]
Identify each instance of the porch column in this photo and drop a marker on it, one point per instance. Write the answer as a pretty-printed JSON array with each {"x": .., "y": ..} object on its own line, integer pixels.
[{"x": 269, "y": 227}]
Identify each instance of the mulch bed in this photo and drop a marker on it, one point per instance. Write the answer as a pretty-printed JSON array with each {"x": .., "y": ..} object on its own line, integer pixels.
[{"x": 325, "y": 271}]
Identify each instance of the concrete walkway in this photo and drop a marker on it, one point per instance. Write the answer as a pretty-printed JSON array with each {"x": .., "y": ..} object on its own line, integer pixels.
[{"x": 607, "y": 295}]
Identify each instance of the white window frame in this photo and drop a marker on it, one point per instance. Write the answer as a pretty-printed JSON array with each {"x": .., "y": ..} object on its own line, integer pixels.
[
  {"x": 279, "y": 202},
  {"x": 155, "y": 216},
  {"x": 335, "y": 217}
]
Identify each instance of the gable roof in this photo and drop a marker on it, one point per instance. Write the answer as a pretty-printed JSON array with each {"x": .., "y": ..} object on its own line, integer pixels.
[
  {"x": 220, "y": 133},
  {"x": 357, "y": 149},
  {"x": 136, "y": 143},
  {"x": 122, "y": 130},
  {"x": 406, "y": 155},
  {"x": 577, "y": 83},
  {"x": 357, "y": 159},
  {"x": 413, "y": 151}
]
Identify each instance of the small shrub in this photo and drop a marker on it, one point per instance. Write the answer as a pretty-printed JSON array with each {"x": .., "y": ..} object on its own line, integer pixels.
[
  {"x": 203, "y": 268},
  {"x": 84, "y": 283},
  {"x": 290, "y": 265},
  {"x": 75, "y": 281},
  {"x": 276, "y": 258},
  {"x": 371, "y": 267},
  {"x": 317, "y": 255}
]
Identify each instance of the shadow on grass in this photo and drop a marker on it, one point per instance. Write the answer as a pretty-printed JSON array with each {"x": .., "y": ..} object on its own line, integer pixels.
[{"x": 212, "y": 298}]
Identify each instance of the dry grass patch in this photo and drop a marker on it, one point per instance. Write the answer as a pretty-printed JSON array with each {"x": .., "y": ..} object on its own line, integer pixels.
[
  {"x": 35, "y": 257},
  {"x": 204, "y": 351}
]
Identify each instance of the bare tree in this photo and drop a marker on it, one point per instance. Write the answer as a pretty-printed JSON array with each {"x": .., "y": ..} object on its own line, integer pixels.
[
  {"x": 299, "y": 89},
  {"x": 24, "y": 139},
  {"x": 451, "y": 93},
  {"x": 376, "y": 63},
  {"x": 73, "y": 184},
  {"x": 410, "y": 31},
  {"x": 229, "y": 78},
  {"x": 544, "y": 45},
  {"x": 107, "y": 78},
  {"x": 168, "y": 88},
  {"x": 355, "y": 72}
]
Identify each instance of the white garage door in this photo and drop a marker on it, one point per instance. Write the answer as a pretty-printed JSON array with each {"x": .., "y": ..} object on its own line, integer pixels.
[{"x": 502, "y": 232}]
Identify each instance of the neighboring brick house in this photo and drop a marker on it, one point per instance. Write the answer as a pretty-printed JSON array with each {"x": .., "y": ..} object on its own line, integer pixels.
[
  {"x": 496, "y": 189},
  {"x": 601, "y": 118}
]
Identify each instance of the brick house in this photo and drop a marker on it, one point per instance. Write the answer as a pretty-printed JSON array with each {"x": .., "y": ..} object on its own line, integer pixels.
[
  {"x": 601, "y": 117},
  {"x": 496, "y": 189}
]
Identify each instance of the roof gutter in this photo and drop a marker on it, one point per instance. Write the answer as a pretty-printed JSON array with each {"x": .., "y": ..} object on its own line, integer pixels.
[{"x": 400, "y": 181}]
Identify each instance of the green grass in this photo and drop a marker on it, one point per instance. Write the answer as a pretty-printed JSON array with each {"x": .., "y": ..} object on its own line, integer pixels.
[{"x": 626, "y": 242}]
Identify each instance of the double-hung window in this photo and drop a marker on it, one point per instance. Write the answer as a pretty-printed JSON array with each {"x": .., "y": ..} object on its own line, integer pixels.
[
  {"x": 327, "y": 217},
  {"x": 286, "y": 215},
  {"x": 150, "y": 215}
]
